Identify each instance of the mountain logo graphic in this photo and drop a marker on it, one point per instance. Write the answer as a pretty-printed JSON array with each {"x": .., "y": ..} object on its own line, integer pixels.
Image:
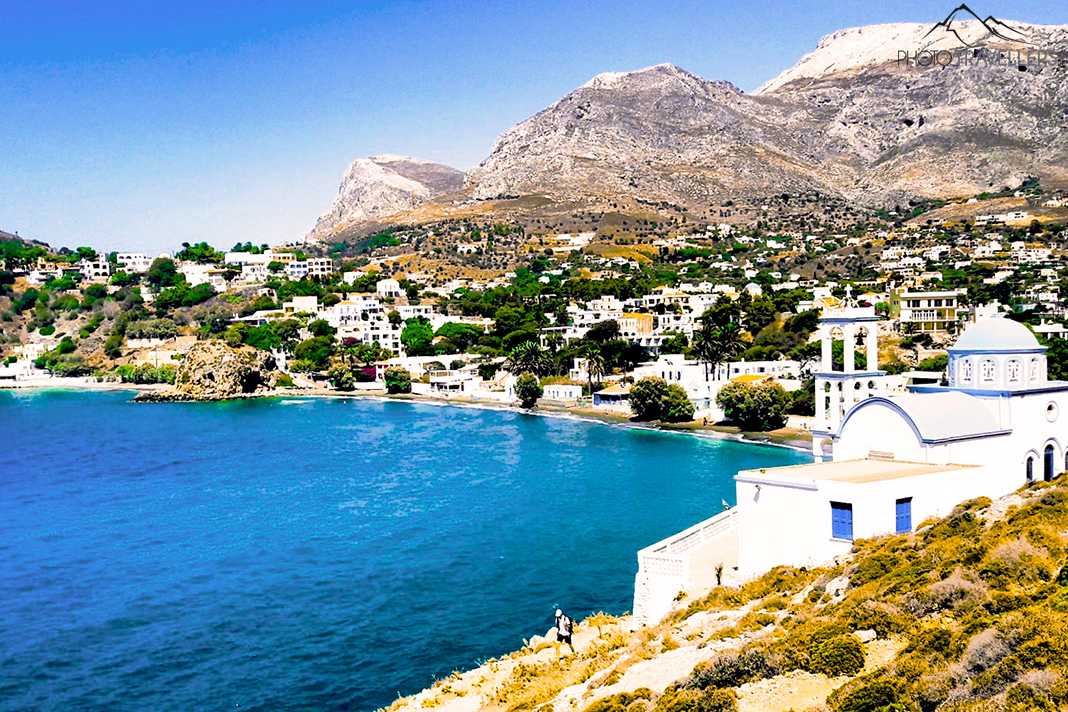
[{"x": 993, "y": 26}]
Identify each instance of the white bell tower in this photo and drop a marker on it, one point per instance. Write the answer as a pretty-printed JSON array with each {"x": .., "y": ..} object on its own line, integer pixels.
[{"x": 838, "y": 390}]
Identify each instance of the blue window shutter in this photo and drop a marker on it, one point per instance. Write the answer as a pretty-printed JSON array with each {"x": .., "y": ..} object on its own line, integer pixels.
[
  {"x": 903, "y": 511},
  {"x": 841, "y": 520}
]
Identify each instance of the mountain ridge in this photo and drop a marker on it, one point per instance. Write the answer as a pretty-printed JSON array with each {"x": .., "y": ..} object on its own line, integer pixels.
[{"x": 847, "y": 120}]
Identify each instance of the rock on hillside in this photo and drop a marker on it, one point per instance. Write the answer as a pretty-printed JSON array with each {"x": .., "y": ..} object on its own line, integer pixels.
[
  {"x": 382, "y": 185},
  {"x": 847, "y": 120},
  {"x": 212, "y": 370}
]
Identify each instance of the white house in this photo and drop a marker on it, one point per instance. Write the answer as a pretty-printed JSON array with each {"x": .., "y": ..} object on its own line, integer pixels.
[
  {"x": 998, "y": 424},
  {"x": 96, "y": 269},
  {"x": 389, "y": 288},
  {"x": 562, "y": 392},
  {"x": 134, "y": 262},
  {"x": 196, "y": 273}
]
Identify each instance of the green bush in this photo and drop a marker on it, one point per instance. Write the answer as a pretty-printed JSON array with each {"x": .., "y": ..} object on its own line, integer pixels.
[
  {"x": 527, "y": 389},
  {"x": 341, "y": 377},
  {"x": 283, "y": 380},
  {"x": 732, "y": 670},
  {"x": 47, "y": 330},
  {"x": 151, "y": 329},
  {"x": 619, "y": 701},
  {"x": 113, "y": 345},
  {"x": 398, "y": 380},
  {"x": 145, "y": 373},
  {"x": 841, "y": 655},
  {"x": 690, "y": 700},
  {"x": 873, "y": 697}
]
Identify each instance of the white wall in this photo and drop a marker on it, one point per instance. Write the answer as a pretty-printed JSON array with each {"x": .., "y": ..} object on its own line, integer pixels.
[{"x": 791, "y": 525}]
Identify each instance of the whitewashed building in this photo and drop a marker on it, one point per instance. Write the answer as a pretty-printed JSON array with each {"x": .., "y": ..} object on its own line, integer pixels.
[{"x": 997, "y": 425}]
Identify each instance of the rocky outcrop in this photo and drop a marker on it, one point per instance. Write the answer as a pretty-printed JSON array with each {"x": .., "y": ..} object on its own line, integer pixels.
[
  {"x": 382, "y": 185},
  {"x": 848, "y": 120},
  {"x": 212, "y": 370}
]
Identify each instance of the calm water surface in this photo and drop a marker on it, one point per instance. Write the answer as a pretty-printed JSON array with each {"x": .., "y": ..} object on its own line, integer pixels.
[{"x": 313, "y": 553}]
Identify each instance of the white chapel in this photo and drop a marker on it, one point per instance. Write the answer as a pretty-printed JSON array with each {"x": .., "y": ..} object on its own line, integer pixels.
[{"x": 897, "y": 457}]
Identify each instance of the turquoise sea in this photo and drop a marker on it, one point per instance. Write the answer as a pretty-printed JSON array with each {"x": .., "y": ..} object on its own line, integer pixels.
[{"x": 318, "y": 553}]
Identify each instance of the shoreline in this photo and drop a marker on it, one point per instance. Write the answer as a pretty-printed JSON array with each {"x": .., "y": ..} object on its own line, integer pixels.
[{"x": 797, "y": 440}]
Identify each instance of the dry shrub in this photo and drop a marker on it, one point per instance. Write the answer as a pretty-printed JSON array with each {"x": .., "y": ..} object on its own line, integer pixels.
[
  {"x": 620, "y": 701},
  {"x": 985, "y": 650},
  {"x": 1016, "y": 561},
  {"x": 732, "y": 670},
  {"x": 955, "y": 592}
]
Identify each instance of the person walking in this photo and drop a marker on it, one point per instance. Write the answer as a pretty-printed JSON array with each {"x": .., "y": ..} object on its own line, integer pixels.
[{"x": 564, "y": 627}]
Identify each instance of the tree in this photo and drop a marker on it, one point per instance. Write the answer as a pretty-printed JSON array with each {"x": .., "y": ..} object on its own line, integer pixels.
[
  {"x": 719, "y": 338},
  {"x": 315, "y": 352},
  {"x": 678, "y": 408},
  {"x": 321, "y": 327},
  {"x": 756, "y": 407},
  {"x": 674, "y": 343},
  {"x": 528, "y": 357},
  {"x": 527, "y": 389},
  {"x": 113, "y": 345},
  {"x": 463, "y": 336},
  {"x": 653, "y": 398},
  {"x": 647, "y": 398},
  {"x": 341, "y": 378},
  {"x": 417, "y": 337},
  {"x": 603, "y": 330},
  {"x": 1057, "y": 359},
  {"x": 200, "y": 252},
  {"x": 162, "y": 273},
  {"x": 596, "y": 367},
  {"x": 397, "y": 380},
  {"x": 803, "y": 400}
]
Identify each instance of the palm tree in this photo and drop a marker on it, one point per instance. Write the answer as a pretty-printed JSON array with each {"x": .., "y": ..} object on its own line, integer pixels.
[
  {"x": 715, "y": 344},
  {"x": 595, "y": 364},
  {"x": 528, "y": 356}
]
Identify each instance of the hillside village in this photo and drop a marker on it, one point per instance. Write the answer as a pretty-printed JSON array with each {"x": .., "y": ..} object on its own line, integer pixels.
[
  {"x": 594, "y": 312},
  {"x": 463, "y": 307}
]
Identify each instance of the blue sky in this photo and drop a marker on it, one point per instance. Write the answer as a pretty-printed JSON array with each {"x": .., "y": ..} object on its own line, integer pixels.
[{"x": 146, "y": 124}]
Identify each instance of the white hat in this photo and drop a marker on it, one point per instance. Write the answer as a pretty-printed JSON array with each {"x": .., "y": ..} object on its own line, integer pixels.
[{"x": 559, "y": 612}]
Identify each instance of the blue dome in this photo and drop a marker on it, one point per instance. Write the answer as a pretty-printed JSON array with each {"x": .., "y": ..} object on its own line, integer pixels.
[{"x": 996, "y": 334}]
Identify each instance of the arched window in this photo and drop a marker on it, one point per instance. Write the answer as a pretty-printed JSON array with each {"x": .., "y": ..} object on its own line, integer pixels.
[
  {"x": 1030, "y": 469},
  {"x": 966, "y": 370},
  {"x": 1048, "y": 463},
  {"x": 987, "y": 370},
  {"x": 1014, "y": 370},
  {"x": 1032, "y": 374}
]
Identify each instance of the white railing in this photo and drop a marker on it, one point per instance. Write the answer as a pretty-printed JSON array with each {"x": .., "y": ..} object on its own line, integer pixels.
[
  {"x": 677, "y": 563},
  {"x": 669, "y": 554}
]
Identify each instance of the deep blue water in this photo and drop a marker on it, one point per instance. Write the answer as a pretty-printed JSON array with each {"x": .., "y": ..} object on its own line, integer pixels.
[{"x": 313, "y": 553}]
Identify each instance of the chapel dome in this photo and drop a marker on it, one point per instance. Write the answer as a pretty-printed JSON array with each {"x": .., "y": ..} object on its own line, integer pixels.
[{"x": 996, "y": 334}]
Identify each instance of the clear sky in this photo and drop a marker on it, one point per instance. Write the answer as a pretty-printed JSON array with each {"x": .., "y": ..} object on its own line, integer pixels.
[{"x": 146, "y": 124}]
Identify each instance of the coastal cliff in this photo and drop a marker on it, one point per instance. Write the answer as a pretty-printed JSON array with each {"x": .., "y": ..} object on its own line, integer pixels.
[
  {"x": 213, "y": 370},
  {"x": 959, "y": 615}
]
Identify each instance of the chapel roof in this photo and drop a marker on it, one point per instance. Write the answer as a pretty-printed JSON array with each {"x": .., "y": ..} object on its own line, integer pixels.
[{"x": 996, "y": 333}]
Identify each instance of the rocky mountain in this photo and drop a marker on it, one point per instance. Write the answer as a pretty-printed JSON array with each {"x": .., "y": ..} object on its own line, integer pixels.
[
  {"x": 382, "y": 185},
  {"x": 849, "y": 119}
]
